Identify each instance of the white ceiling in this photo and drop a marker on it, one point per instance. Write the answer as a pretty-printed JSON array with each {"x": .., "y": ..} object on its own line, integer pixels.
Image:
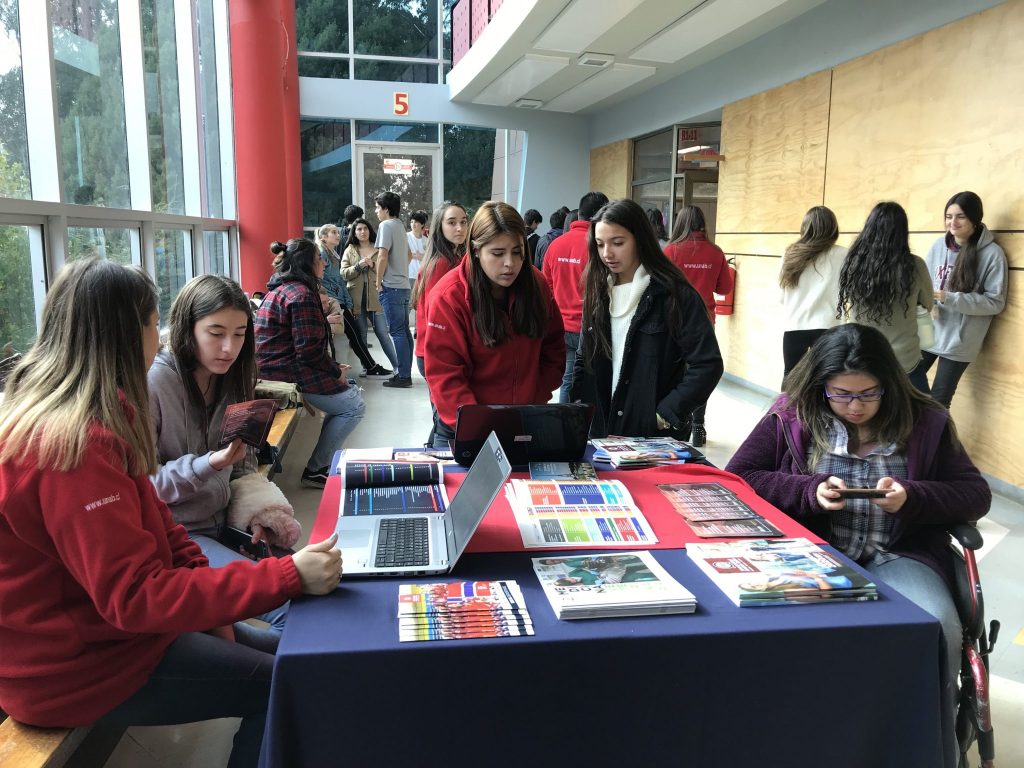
[{"x": 532, "y": 48}]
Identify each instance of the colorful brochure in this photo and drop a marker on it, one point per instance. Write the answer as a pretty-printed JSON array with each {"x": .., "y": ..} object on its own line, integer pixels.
[
  {"x": 462, "y": 610},
  {"x": 713, "y": 511},
  {"x": 391, "y": 488}
]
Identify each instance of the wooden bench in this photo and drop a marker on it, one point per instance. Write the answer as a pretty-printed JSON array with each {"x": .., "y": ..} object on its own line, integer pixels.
[
  {"x": 281, "y": 432},
  {"x": 25, "y": 746}
]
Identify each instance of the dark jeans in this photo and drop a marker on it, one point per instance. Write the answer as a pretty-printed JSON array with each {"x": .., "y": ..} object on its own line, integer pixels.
[
  {"x": 443, "y": 435},
  {"x": 794, "y": 345},
  {"x": 357, "y": 341},
  {"x": 421, "y": 367},
  {"x": 698, "y": 414},
  {"x": 396, "y": 309},
  {"x": 202, "y": 677},
  {"x": 572, "y": 341},
  {"x": 947, "y": 376}
]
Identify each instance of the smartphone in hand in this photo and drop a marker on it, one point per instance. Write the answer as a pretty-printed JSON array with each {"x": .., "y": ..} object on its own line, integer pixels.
[
  {"x": 241, "y": 542},
  {"x": 861, "y": 493}
]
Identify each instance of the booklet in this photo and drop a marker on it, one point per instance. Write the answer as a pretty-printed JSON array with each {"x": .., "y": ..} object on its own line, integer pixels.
[
  {"x": 584, "y": 513},
  {"x": 461, "y": 610},
  {"x": 610, "y": 584},
  {"x": 713, "y": 511},
  {"x": 249, "y": 422},
  {"x": 391, "y": 488},
  {"x": 562, "y": 470},
  {"x": 779, "y": 572},
  {"x": 638, "y": 452}
]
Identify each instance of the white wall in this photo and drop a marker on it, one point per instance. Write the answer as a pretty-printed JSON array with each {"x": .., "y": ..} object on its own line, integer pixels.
[
  {"x": 834, "y": 32},
  {"x": 557, "y": 168}
]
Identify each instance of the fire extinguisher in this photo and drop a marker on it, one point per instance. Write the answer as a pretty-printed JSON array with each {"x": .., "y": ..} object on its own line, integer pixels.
[{"x": 723, "y": 306}]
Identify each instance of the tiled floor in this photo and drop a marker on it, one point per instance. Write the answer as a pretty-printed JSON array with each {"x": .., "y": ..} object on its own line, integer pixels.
[{"x": 402, "y": 417}]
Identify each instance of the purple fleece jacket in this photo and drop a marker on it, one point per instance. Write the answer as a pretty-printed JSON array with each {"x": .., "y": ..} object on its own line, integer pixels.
[{"x": 943, "y": 485}]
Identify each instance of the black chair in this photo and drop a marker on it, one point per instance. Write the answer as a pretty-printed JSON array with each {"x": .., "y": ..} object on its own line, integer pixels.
[{"x": 974, "y": 714}]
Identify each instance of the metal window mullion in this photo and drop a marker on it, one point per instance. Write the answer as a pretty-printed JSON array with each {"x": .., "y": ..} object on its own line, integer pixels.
[
  {"x": 198, "y": 92},
  {"x": 135, "y": 118},
  {"x": 185, "y": 41},
  {"x": 148, "y": 248},
  {"x": 41, "y": 120},
  {"x": 37, "y": 261},
  {"x": 55, "y": 242},
  {"x": 351, "y": 45},
  {"x": 225, "y": 113}
]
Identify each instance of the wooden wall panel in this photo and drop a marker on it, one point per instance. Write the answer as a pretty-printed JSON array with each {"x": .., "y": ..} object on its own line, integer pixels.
[
  {"x": 931, "y": 116},
  {"x": 611, "y": 169},
  {"x": 774, "y": 147}
]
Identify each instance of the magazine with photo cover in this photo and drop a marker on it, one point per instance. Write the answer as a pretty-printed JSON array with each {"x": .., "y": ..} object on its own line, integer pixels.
[
  {"x": 610, "y": 584},
  {"x": 462, "y": 609},
  {"x": 249, "y": 422},
  {"x": 640, "y": 452},
  {"x": 779, "y": 571},
  {"x": 392, "y": 488}
]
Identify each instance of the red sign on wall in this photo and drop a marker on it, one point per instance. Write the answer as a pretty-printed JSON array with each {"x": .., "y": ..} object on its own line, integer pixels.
[
  {"x": 401, "y": 103},
  {"x": 400, "y": 166}
]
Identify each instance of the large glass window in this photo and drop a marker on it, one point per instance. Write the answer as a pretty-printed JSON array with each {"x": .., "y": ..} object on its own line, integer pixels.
[
  {"x": 396, "y": 71},
  {"x": 17, "y": 300},
  {"x": 209, "y": 114},
  {"x": 468, "y": 164},
  {"x": 652, "y": 157},
  {"x": 173, "y": 251},
  {"x": 215, "y": 246},
  {"x": 111, "y": 243},
  {"x": 90, "y": 101},
  {"x": 163, "y": 112},
  {"x": 326, "y": 147},
  {"x": 395, "y": 27},
  {"x": 14, "y": 171},
  {"x": 320, "y": 66},
  {"x": 420, "y": 133},
  {"x": 322, "y": 26}
]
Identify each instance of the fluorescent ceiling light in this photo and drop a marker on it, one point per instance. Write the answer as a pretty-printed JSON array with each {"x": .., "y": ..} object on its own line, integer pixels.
[
  {"x": 710, "y": 22},
  {"x": 529, "y": 104},
  {"x": 606, "y": 83},
  {"x": 688, "y": 150},
  {"x": 582, "y": 22},
  {"x": 595, "y": 60},
  {"x": 521, "y": 78}
]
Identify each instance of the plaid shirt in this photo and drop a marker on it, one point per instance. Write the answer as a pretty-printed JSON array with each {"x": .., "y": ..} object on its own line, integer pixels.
[
  {"x": 861, "y": 529},
  {"x": 292, "y": 338}
]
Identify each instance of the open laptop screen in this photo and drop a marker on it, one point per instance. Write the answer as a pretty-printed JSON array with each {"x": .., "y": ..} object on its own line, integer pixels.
[
  {"x": 483, "y": 482},
  {"x": 551, "y": 432}
]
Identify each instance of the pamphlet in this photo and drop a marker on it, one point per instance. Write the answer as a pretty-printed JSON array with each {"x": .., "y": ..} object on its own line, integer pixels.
[
  {"x": 584, "y": 513},
  {"x": 779, "y": 572},
  {"x": 713, "y": 511},
  {"x": 461, "y": 610},
  {"x": 638, "y": 452},
  {"x": 249, "y": 422},
  {"x": 392, "y": 488},
  {"x": 562, "y": 470},
  {"x": 610, "y": 584}
]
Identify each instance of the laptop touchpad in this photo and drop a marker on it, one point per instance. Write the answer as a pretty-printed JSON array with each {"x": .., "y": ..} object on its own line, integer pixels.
[{"x": 354, "y": 539}]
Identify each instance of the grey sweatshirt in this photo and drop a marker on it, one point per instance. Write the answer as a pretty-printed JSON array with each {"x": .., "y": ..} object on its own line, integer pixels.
[
  {"x": 964, "y": 318},
  {"x": 196, "y": 493}
]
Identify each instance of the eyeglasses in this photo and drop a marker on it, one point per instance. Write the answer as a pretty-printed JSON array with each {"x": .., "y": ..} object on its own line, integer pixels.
[{"x": 865, "y": 397}]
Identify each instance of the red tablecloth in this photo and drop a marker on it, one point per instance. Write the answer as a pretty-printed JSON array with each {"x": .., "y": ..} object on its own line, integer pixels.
[{"x": 499, "y": 532}]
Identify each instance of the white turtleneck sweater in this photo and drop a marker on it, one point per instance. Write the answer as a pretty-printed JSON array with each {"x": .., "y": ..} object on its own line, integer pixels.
[{"x": 621, "y": 307}]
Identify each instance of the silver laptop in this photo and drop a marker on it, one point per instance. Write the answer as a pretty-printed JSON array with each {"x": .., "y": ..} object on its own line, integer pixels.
[{"x": 413, "y": 545}]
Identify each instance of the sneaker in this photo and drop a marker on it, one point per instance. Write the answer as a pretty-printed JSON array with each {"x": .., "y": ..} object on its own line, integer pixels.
[
  {"x": 700, "y": 436},
  {"x": 379, "y": 372},
  {"x": 363, "y": 373},
  {"x": 399, "y": 382},
  {"x": 315, "y": 479}
]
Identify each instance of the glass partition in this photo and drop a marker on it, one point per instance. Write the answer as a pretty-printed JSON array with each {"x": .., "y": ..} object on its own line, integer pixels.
[{"x": 14, "y": 169}]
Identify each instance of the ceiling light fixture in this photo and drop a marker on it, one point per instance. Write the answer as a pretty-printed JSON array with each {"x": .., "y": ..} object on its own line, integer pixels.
[
  {"x": 595, "y": 60},
  {"x": 529, "y": 104}
]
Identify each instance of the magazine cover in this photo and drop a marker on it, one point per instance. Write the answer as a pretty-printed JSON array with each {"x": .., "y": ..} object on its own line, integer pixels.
[
  {"x": 780, "y": 571},
  {"x": 610, "y": 584},
  {"x": 638, "y": 452},
  {"x": 249, "y": 422}
]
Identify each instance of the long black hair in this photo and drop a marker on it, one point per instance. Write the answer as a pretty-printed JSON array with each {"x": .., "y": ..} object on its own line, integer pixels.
[
  {"x": 529, "y": 313},
  {"x": 878, "y": 273},
  {"x": 295, "y": 260},
  {"x": 353, "y": 240},
  {"x": 629, "y": 215},
  {"x": 438, "y": 247},
  {"x": 964, "y": 277}
]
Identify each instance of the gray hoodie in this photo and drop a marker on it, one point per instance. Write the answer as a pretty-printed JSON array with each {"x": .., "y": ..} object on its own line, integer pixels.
[
  {"x": 196, "y": 493},
  {"x": 964, "y": 318}
]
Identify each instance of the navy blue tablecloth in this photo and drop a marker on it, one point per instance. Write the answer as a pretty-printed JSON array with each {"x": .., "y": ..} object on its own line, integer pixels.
[{"x": 844, "y": 685}]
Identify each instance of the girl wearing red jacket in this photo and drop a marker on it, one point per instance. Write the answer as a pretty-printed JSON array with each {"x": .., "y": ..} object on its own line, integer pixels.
[
  {"x": 108, "y": 611},
  {"x": 704, "y": 265},
  {"x": 495, "y": 333}
]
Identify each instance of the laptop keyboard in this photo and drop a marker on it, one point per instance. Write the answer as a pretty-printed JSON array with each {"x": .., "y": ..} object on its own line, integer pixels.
[{"x": 403, "y": 541}]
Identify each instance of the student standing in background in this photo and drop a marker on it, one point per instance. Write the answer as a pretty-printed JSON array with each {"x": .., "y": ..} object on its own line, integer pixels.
[
  {"x": 495, "y": 332},
  {"x": 532, "y": 218},
  {"x": 417, "y": 246},
  {"x": 391, "y": 281},
  {"x": 969, "y": 275},
  {"x": 358, "y": 267}
]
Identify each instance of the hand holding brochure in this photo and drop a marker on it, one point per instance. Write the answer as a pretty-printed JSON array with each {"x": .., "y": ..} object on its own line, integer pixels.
[
  {"x": 462, "y": 609},
  {"x": 392, "y": 487},
  {"x": 605, "y": 585},
  {"x": 249, "y": 422},
  {"x": 584, "y": 513}
]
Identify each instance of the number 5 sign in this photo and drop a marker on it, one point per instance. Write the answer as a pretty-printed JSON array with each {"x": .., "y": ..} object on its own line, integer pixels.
[{"x": 401, "y": 105}]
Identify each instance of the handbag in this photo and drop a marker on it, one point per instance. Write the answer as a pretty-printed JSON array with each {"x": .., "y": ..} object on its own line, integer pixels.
[{"x": 925, "y": 328}]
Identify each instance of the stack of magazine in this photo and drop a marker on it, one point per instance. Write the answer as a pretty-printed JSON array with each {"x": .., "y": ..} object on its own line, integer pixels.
[
  {"x": 606, "y": 585},
  {"x": 461, "y": 610},
  {"x": 779, "y": 572},
  {"x": 640, "y": 452}
]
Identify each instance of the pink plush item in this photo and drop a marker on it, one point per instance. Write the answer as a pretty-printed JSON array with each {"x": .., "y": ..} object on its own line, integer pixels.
[{"x": 256, "y": 500}]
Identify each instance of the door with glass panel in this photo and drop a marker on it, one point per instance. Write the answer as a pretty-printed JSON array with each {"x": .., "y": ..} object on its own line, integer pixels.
[{"x": 412, "y": 173}]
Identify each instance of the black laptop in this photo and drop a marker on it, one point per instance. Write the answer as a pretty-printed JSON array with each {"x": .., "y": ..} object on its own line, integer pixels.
[{"x": 552, "y": 432}]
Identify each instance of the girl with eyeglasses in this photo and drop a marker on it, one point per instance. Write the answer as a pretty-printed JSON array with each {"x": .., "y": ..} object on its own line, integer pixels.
[{"x": 850, "y": 418}]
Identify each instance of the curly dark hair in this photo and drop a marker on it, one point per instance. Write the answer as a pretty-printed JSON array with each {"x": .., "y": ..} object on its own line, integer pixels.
[{"x": 878, "y": 274}]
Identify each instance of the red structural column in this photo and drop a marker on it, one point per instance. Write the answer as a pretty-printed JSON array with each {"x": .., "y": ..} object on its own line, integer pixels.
[{"x": 265, "y": 89}]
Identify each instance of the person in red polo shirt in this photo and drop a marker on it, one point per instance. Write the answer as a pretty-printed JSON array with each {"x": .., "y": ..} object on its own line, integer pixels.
[
  {"x": 564, "y": 262},
  {"x": 704, "y": 265},
  {"x": 495, "y": 333}
]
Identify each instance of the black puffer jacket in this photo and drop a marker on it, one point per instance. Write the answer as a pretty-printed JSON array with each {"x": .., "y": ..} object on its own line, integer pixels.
[{"x": 658, "y": 374}]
